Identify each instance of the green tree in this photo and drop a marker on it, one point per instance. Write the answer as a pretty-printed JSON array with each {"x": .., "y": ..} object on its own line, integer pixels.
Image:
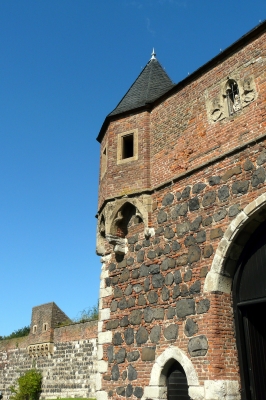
[{"x": 28, "y": 386}]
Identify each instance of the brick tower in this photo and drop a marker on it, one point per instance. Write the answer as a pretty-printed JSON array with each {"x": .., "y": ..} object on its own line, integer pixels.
[{"x": 181, "y": 221}]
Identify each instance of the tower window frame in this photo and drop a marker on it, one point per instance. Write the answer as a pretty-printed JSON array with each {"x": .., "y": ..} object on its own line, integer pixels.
[
  {"x": 127, "y": 146},
  {"x": 103, "y": 161}
]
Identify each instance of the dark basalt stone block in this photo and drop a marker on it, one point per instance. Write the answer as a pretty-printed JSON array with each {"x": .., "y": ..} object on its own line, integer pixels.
[
  {"x": 195, "y": 288},
  {"x": 169, "y": 279},
  {"x": 135, "y": 273},
  {"x": 115, "y": 373},
  {"x": 131, "y": 302},
  {"x": 223, "y": 193},
  {"x": 221, "y": 214},
  {"x": 152, "y": 297},
  {"x": 130, "y": 261},
  {"x": 133, "y": 355},
  {"x": 138, "y": 392},
  {"x": 177, "y": 277},
  {"x": 185, "y": 307},
  {"x": 128, "y": 290},
  {"x": 117, "y": 339},
  {"x": 148, "y": 314},
  {"x": 113, "y": 324},
  {"x": 135, "y": 317},
  {"x": 168, "y": 263},
  {"x": 169, "y": 233},
  {"x": 181, "y": 229},
  {"x": 188, "y": 275},
  {"x": 147, "y": 284},
  {"x": 176, "y": 291},
  {"x": 216, "y": 233},
  {"x": 144, "y": 270},
  {"x": 113, "y": 306},
  {"x": 124, "y": 321},
  {"x": 194, "y": 226},
  {"x": 248, "y": 166},
  {"x": 120, "y": 356},
  {"x": 180, "y": 210},
  {"x": 171, "y": 332},
  {"x": 110, "y": 354},
  {"x": 124, "y": 276},
  {"x": 240, "y": 187},
  {"x": 258, "y": 177},
  {"x": 175, "y": 246},
  {"x": 141, "y": 300},
  {"x": 131, "y": 373},
  {"x": 117, "y": 292},
  {"x": 129, "y": 336},
  {"x": 193, "y": 204},
  {"x": 198, "y": 187},
  {"x": 157, "y": 280},
  {"x": 155, "y": 334},
  {"x": 122, "y": 304},
  {"x": 133, "y": 239},
  {"x": 191, "y": 327},
  {"x": 129, "y": 390},
  {"x": 207, "y": 221},
  {"x": 194, "y": 254},
  {"x": 208, "y": 199},
  {"x": 207, "y": 251},
  {"x": 203, "y": 306},
  {"x": 112, "y": 267},
  {"x": 234, "y": 210},
  {"x": 201, "y": 237},
  {"x": 140, "y": 256},
  {"x": 214, "y": 180},
  {"x": 171, "y": 312},
  {"x": 182, "y": 260},
  {"x": 198, "y": 346},
  {"x": 186, "y": 192},
  {"x": 121, "y": 391},
  {"x": 262, "y": 158},
  {"x": 158, "y": 313},
  {"x": 151, "y": 254},
  {"x": 168, "y": 199},
  {"x": 166, "y": 250},
  {"x": 189, "y": 241},
  {"x": 165, "y": 294},
  {"x": 161, "y": 217},
  {"x": 154, "y": 269}
]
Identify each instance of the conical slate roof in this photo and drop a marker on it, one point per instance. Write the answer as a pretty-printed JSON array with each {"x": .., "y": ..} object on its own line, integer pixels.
[{"x": 152, "y": 83}]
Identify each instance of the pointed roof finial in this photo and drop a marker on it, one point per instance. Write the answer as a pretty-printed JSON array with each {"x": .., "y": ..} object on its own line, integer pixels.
[{"x": 153, "y": 54}]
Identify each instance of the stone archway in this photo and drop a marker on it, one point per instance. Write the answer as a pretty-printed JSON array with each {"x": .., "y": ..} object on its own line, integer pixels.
[
  {"x": 220, "y": 276},
  {"x": 157, "y": 385}
]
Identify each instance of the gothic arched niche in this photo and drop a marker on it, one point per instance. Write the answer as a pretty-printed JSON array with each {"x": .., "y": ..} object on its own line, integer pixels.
[{"x": 126, "y": 216}]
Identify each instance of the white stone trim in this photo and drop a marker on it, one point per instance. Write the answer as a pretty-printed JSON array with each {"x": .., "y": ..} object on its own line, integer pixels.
[
  {"x": 216, "y": 279},
  {"x": 221, "y": 389},
  {"x": 105, "y": 337},
  {"x": 102, "y": 366},
  {"x": 104, "y": 314},
  {"x": 101, "y": 395}
]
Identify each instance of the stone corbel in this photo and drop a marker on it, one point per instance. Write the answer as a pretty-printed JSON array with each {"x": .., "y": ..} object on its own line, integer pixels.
[{"x": 120, "y": 244}]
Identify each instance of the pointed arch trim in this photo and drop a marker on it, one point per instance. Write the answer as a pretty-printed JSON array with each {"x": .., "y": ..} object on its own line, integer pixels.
[{"x": 220, "y": 276}]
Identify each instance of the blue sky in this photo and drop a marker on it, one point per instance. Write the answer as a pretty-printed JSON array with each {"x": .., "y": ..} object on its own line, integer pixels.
[{"x": 65, "y": 64}]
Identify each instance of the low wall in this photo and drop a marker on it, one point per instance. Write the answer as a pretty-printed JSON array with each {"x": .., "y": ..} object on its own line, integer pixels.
[{"x": 69, "y": 372}]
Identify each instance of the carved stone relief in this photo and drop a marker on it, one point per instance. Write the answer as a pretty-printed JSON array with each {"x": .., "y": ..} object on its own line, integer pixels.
[{"x": 218, "y": 107}]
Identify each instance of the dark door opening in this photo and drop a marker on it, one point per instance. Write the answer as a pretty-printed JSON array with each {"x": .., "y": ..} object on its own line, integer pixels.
[
  {"x": 177, "y": 386},
  {"x": 250, "y": 310}
]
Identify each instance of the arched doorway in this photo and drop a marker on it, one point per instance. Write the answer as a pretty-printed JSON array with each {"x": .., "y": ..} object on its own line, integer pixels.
[
  {"x": 176, "y": 380},
  {"x": 249, "y": 292}
]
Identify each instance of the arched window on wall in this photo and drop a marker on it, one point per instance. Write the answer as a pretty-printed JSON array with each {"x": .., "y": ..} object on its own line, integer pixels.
[
  {"x": 232, "y": 97},
  {"x": 249, "y": 290},
  {"x": 177, "y": 386}
]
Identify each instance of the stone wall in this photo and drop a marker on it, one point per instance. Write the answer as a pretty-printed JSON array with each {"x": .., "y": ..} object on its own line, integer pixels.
[
  {"x": 68, "y": 372},
  {"x": 169, "y": 297}
]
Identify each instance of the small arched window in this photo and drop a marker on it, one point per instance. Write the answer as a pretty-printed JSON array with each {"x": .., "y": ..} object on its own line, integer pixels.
[
  {"x": 45, "y": 327},
  {"x": 34, "y": 329},
  {"x": 232, "y": 97}
]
